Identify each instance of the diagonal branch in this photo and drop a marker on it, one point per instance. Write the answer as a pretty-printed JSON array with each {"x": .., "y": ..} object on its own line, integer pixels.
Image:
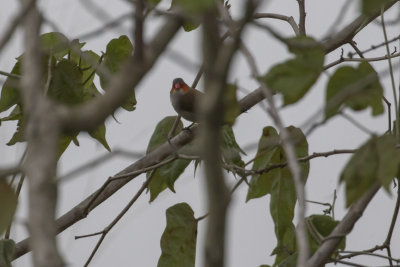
[{"x": 346, "y": 34}]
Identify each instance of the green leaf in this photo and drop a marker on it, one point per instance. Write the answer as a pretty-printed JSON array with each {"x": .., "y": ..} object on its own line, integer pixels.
[
  {"x": 10, "y": 92},
  {"x": 166, "y": 175},
  {"x": 357, "y": 88},
  {"x": 231, "y": 105},
  {"x": 130, "y": 104},
  {"x": 8, "y": 205},
  {"x": 283, "y": 200},
  {"x": 117, "y": 53},
  {"x": 7, "y": 250},
  {"x": 375, "y": 161},
  {"x": 86, "y": 65},
  {"x": 15, "y": 114},
  {"x": 289, "y": 261},
  {"x": 178, "y": 242},
  {"x": 279, "y": 183},
  {"x": 18, "y": 136},
  {"x": 190, "y": 25},
  {"x": 268, "y": 152},
  {"x": 100, "y": 135},
  {"x": 193, "y": 7},
  {"x": 293, "y": 78},
  {"x": 230, "y": 148},
  {"x": 90, "y": 92},
  {"x": 55, "y": 44},
  {"x": 66, "y": 84},
  {"x": 319, "y": 227},
  {"x": 369, "y": 7},
  {"x": 64, "y": 143}
]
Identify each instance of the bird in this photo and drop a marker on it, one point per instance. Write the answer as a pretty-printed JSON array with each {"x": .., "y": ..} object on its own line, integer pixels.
[{"x": 183, "y": 99}]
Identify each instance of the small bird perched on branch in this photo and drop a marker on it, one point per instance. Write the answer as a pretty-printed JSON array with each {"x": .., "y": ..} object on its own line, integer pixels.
[{"x": 183, "y": 99}]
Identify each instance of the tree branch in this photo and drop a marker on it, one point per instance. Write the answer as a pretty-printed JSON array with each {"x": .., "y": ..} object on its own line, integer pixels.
[
  {"x": 77, "y": 213},
  {"x": 321, "y": 256},
  {"x": 346, "y": 34},
  {"x": 302, "y": 17},
  {"x": 42, "y": 135}
]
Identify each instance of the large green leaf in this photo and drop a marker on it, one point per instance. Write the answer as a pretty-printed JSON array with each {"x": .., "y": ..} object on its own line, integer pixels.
[
  {"x": 357, "y": 88},
  {"x": 319, "y": 227},
  {"x": 8, "y": 205},
  {"x": 55, "y": 44},
  {"x": 66, "y": 85},
  {"x": 178, "y": 242},
  {"x": 269, "y": 152},
  {"x": 279, "y": 183},
  {"x": 10, "y": 91},
  {"x": 117, "y": 53},
  {"x": 375, "y": 161},
  {"x": 7, "y": 250},
  {"x": 293, "y": 78},
  {"x": 166, "y": 175}
]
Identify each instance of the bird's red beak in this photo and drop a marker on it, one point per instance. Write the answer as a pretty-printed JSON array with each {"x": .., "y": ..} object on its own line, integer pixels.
[{"x": 177, "y": 86}]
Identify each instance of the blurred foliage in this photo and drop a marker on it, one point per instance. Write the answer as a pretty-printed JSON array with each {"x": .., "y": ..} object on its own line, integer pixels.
[
  {"x": 68, "y": 78},
  {"x": 178, "y": 242}
]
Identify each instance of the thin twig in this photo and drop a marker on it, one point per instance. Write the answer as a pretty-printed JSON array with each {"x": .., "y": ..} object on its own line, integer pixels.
[
  {"x": 97, "y": 161},
  {"x": 330, "y": 243},
  {"x": 288, "y": 19},
  {"x": 374, "y": 47},
  {"x": 343, "y": 59},
  {"x": 397, "y": 129},
  {"x": 355, "y": 123},
  {"x": 120, "y": 215}
]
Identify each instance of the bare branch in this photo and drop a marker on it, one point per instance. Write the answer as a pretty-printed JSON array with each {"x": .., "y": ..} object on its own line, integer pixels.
[
  {"x": 120, "y": 215},
  {"x": 396, "y": 101},
  {"x": 326, "y": 249},
  {"x": 302, "y": 17},
  {"x": 343, "y": 59},
  {"x": 139, "y": 22},
  {"x": 290, "y": 20},
  {"x": 346, "y": 34}
]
